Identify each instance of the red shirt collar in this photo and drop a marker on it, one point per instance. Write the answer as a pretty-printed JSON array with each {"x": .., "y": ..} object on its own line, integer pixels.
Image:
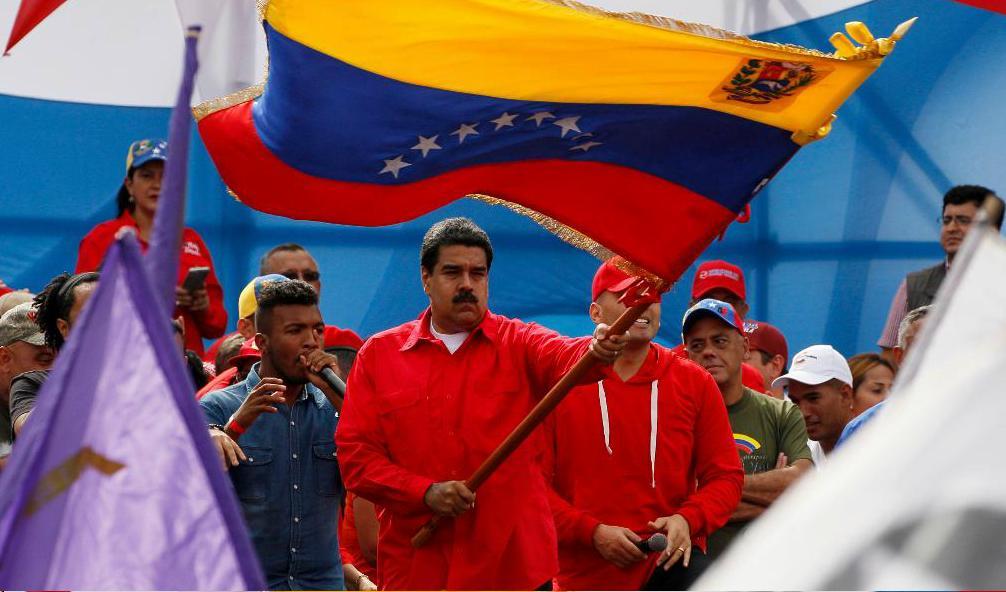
[
  {"x": 489, "y": 327},
  {"x": 127, "y": 219}
]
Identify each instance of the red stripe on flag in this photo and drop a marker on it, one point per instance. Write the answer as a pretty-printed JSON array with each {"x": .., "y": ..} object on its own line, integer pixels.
[
  {"x": 657, "y": 224},
  {"x": 993, "y": 5},
  {"x": 29, "y": 15}
]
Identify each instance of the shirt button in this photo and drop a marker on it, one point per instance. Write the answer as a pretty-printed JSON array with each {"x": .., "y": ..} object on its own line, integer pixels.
[
  {"x": 250, "y": 459},
  {"x": 335, "y": 454},
  {"x": 293, "y": 549},
  {"x": 292, "y": 423},
  {"x": 296, "y": 519},
  {"x": 295, "y": 456},
  {"x": 290, "y": 577},
  {"x": 295, "y": 486}
]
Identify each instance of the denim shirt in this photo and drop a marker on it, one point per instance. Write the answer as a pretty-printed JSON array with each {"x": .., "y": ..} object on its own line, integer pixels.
[{"x": 290, "y": 488}]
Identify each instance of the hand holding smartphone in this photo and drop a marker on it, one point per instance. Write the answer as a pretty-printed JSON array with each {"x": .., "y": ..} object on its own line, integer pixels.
[{"x": 195, "y": 279}]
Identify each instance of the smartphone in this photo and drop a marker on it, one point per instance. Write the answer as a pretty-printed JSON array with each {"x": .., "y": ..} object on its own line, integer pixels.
[{"x": 195, "y": 279}]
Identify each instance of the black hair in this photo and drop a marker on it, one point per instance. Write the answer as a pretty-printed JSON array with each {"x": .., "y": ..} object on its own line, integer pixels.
[
  {"x": 277, "y": 249},
  {"x": 450, "y": 232},
  {"x": 976, "y": 194},
  {"x": 289, "y": 293},
  {"x": 124, "y": 201},
  {"x": 55, "y": 301},
  {"x": 196, "y": 369}
]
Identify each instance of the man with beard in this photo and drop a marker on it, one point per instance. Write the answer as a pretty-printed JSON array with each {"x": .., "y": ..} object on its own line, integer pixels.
[
  {"x": 284, "y": 414},
  {"x": 429, "y": 400}
]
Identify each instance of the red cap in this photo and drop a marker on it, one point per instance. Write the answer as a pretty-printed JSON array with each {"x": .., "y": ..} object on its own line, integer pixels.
[
  {"x": 249, "y": 351},
  {"x": 718, "y": 274},
  {"x": 336, "y": 337},
  {"x": 764, "y": 337},
  {"x": 610, "y": 278}
]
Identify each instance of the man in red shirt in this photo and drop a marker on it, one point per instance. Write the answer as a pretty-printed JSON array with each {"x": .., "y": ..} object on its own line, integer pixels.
[
  {"x": 429, "y": 400},
  {"x": 648, "y": 449}
]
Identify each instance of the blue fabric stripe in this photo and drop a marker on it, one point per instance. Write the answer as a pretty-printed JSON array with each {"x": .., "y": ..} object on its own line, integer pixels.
[{"x": 333, "y": 120}]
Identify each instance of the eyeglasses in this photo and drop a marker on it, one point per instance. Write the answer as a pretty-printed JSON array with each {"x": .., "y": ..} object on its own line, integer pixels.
[
  {"x": 308, "y": 276},
  {"x": 960, "y": 220}
]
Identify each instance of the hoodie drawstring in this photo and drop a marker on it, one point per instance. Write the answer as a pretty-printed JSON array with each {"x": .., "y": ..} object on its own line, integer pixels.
[{"x": 606, "y": 426}]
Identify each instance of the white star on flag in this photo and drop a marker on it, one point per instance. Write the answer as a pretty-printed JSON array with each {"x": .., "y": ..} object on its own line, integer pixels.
[
  {"x": 464, "y": 131},
  {"x": 505, "y": 120},
  {"x": 586, "y": 146},
  {"x": 394, "y": 165},
  {"x": 540, "y": 116},
  {"x": 426, "y": 144},
  {"x": 568, "y": 124}
]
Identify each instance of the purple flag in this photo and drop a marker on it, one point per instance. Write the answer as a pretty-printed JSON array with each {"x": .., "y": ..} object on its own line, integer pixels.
[
  {"x": 114, "y": 483},
  {"x": 169, "y": 223}
]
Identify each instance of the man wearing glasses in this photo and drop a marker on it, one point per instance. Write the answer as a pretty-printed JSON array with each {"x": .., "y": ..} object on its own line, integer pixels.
[
  {"x": 960, "y": 208},
  {"x": 294, "y": 262}
]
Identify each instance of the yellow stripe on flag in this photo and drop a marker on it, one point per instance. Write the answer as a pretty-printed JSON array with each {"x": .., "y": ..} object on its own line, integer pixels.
[{"x": 545, "y": 50}]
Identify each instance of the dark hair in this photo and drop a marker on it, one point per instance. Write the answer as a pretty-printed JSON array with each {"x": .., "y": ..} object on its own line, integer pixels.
[
  {"x": 124, "y": 201},
  {"x": 277, "y": 249},
  {"x": 976, "y": 194},
  {"x": 229, "y": 348},
  {"x": 55, "y": 301},
  {"x": 196, "y": 369},
  {"x": 450, "y": 232},
  {"x": 289, "y": 293}
]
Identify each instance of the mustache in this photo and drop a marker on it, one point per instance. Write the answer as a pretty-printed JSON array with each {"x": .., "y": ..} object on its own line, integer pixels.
[{"x": 465, "y": 297}]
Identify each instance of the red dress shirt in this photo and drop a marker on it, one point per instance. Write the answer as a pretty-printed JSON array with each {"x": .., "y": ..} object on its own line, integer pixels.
[
  {"x": 416, "y": 415},
  {"x": 695, "y": 470},
  {"x": 194, "y": 254}
]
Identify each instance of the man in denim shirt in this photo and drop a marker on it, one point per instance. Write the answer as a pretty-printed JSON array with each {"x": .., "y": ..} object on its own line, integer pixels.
[{"x": 285, "y": 471}]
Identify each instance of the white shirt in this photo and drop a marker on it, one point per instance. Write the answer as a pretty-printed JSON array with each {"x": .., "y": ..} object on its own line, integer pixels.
[
  {"x": 817, "y": 455},
  {"x": 452, "y": 340}
]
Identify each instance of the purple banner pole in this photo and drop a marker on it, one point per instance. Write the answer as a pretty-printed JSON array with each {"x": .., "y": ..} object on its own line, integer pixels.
[{"x": 165, "y": 244}]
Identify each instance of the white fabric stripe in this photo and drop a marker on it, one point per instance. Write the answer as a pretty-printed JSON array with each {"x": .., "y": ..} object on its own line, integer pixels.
[
  {"x": 653, "y": 435},
  {"x": 605, "y": 424}
]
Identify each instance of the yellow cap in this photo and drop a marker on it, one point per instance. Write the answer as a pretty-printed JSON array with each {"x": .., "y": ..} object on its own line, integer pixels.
[{"x": 248, "y": 300}]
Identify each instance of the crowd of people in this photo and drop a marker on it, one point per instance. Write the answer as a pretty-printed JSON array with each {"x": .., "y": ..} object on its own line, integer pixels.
[{"x": 692, "y": 443}]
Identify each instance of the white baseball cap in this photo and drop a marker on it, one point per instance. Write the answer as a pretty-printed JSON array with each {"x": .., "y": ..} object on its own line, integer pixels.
[{"x": 816, "y": 365}]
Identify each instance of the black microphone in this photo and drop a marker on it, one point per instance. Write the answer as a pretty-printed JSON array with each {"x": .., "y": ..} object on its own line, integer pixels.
[
  {"x": 654, "y": 544},
  {"x": 333, "y": 380}
]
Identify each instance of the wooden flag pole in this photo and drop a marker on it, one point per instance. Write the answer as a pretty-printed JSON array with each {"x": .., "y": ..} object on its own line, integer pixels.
[{"x": 547, "y": 404}]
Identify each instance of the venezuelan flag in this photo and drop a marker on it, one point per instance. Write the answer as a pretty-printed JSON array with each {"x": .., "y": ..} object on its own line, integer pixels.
[{"x": 624, "y": 133}]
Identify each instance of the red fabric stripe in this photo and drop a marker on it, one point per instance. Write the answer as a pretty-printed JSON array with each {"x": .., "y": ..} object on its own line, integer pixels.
[
  {"x": 993, "y": 5},
  {"x": 29, "y": 15},
  {"x": 656, "y": 224}
]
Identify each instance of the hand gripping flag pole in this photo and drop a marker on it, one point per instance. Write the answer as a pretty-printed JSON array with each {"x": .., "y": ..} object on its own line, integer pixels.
[{"x": 638, "y": 297}]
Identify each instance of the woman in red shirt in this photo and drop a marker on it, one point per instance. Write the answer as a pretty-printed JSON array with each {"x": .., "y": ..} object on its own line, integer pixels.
[{"x": 202, "y": 310}]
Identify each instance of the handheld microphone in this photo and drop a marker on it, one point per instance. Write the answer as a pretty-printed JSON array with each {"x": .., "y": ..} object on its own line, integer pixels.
[
  {"x": 654, "y": 544},
  {"x": 333, "y": 380}
]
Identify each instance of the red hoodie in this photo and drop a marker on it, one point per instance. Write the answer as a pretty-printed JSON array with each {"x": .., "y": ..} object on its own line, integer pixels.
[{"x": 603, "y": 469}]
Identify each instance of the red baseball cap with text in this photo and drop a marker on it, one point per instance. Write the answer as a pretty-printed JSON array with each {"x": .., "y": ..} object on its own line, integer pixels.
[{"x": 718, "y": 274}]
